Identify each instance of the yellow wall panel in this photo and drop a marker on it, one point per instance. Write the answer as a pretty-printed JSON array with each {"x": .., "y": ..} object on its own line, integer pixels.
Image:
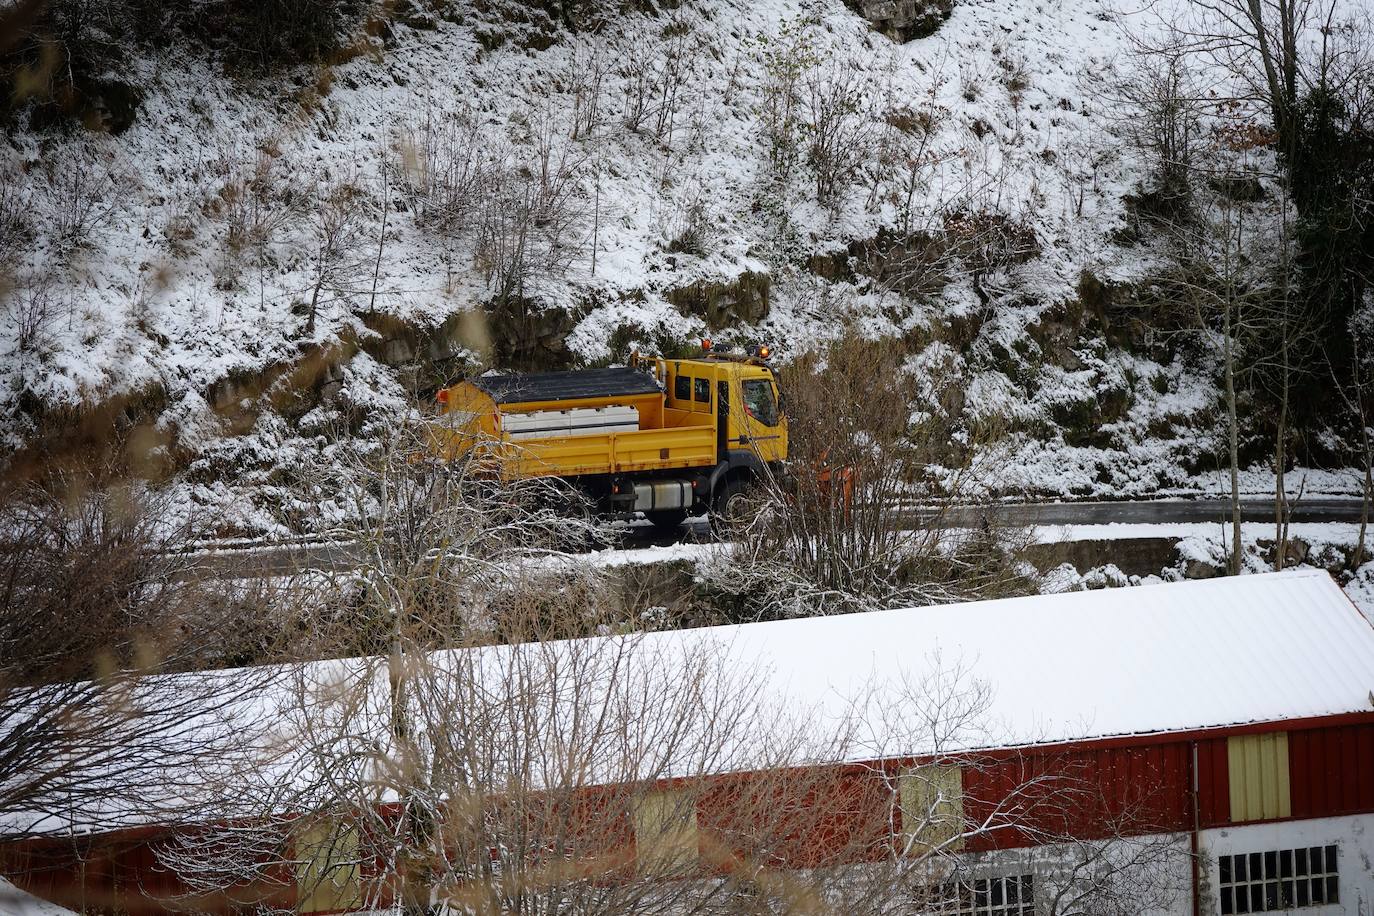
[
  {"x": 665, "y": 825},
  {"x": 932, "y": 803},
  {"x": 327, "y": 875},
  {"x": 1258, "y": 770}
]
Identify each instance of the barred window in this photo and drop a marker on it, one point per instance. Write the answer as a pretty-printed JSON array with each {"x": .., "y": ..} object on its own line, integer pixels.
[
  {"x": 1013, "y": 895},
  {"x": 1283, "y": 879}
]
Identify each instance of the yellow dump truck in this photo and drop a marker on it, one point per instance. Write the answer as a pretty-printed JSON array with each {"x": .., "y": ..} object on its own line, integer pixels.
[{"x": 665, "y": 437}]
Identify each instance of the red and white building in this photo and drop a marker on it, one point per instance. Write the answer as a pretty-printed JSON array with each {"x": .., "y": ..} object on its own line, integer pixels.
[{"x": 1229, "y": 721}]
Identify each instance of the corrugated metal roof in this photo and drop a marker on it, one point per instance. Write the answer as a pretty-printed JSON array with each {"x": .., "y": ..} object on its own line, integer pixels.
[
  {"x": 566, "y": 386},
  {"x": 934, "y": 680},
  {"x": 1086, "y": 665}
]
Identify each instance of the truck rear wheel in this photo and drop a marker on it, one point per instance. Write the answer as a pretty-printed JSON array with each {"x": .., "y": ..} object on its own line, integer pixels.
[{"x": 667, "y": 520}]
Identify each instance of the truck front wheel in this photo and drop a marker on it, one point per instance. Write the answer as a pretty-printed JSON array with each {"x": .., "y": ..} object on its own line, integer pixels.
[{"x": 730, "y": 504}]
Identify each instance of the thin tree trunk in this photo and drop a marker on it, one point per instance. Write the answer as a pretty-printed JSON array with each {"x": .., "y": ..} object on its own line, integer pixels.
[
  {"x": 1280, "y": 496},
  {"x": 314, "y": 307},
  {"x": 381, "y": 241},
  {"x": 596, "y": 217},
  {"x": 1273, "y": 78},
  {"x": 1364, "y": 503},
  {"x": 1281, "y": 459},
  {"x": 1234, "y": 441},
  {"x": 1368, "y": 494}
]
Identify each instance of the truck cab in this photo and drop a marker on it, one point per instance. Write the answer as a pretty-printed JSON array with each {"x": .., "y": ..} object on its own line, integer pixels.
[
  {"x": 665, "y": 437},
  {"x": 741, "y": 397}
]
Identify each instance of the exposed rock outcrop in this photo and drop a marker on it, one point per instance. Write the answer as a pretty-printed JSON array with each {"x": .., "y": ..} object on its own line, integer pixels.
[
  {"x": 903, "y": 20},
  {"x": 527, "y": 336},
  {"x": 724, "y": 305}
]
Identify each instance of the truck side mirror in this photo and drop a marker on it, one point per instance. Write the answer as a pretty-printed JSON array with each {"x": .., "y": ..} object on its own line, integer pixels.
[{"x": 782, "y": 403}]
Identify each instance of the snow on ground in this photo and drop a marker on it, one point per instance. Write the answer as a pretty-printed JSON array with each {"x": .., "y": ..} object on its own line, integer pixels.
[
  {"x": 641, "y": 556},
  {"x": 14, "y": 902},
  {"x": 1334, "y": 533},
  {"x": 1328, "y": 546},
  {"x": 1360, "y": 590},
  {"x": 199, "y": 276},
  {"x": 1298, "y": 482},
  {"x": 219, "y": 315}
]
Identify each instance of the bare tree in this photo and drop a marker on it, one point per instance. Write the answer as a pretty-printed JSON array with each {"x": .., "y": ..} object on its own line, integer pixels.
[
  {"x": 1292, "y": 332},
  {"x": 837, "y": 535},
  {"x": 499, "y": 777},
  {"x": 841, "y": 126},
  {"x": 339, "y": 264},
  {"x": 480, "y": 760},
  {"x": 255, "y": 200},
  {"x": 911, "y": 152},
  {"x": 787, "y": 57},
  {"x": 1118, "y": 874},
  {"x": 442, "y": 162},
  {"x": 532, "y": 218},
  {"x": 16, "y": 220},
  {"x": 91, "y": 604},
  {"x": 654, "y": 70},
  {"x": 632, "y": 774},
  {"x": 80, "y": 193},
  {"x": 1162, "y": 102},
  {"x": 1233, "y": 245},
  {"x": 32, "y": 311},
  {"x": 1355, "y": 394},
  {"x": 1246, "y": 312},
  {"x": 257, "y": 203},
  {"x": 585, "y": 79},
  {"x": 1262, "y": 44}
]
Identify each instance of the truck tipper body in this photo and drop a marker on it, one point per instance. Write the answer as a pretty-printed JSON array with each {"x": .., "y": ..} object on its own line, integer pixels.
[{"x": 666, "y": 437}]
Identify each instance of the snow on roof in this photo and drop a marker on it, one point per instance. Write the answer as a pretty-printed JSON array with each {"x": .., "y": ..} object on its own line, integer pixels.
[
  {"x": 922, "y": 681},
  {"x": 567, "y": 386},
  {"x": 1082, "y": 665}
]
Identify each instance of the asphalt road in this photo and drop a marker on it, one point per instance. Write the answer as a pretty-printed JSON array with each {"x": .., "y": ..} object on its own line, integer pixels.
[
  {"x": 1162, "y": 511},
  {"x": 285, "y": 560}
]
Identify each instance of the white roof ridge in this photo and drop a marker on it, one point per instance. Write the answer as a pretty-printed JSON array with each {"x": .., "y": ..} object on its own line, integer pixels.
[
  {"x": 1072, "y": 596},
  {"x": 1124, "y": 662}
]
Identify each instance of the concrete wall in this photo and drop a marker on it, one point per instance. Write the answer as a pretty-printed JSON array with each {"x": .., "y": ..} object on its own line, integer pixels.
[
  {"x": 1353, "y": 835},
  {"x": 1156, "y": 871}
]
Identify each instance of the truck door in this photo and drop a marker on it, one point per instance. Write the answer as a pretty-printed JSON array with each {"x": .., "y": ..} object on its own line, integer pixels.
[
  {"x": 761, "y": 424},
  {"x": 722, "y": 420},
  {"x": 680, "y": 389},
  {"x": 690, "y": 389}
]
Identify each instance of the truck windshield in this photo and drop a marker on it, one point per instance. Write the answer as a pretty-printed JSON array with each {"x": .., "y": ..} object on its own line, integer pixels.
[{"x": 759, "y": 402}]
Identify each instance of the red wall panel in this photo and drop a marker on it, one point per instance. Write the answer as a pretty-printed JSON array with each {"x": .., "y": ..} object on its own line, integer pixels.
[
  {"x": 812, "y": 817},
  {"x": 1084, "y": 794},
  {"x": 1331, "y": 770},
  {"x": 824, "y": 815},
  {"x": 1214, "y": 783}
]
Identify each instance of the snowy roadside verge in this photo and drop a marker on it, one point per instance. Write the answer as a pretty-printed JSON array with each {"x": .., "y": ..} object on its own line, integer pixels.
[{"x": 15, "y": 902}]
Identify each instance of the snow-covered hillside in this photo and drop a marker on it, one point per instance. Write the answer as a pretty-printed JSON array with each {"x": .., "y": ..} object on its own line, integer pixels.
[{"x": 252, "y": 264}]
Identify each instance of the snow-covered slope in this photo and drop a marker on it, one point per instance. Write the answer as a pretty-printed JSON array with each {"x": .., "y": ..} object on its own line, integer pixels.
[{"x": 175, "y": 266}]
